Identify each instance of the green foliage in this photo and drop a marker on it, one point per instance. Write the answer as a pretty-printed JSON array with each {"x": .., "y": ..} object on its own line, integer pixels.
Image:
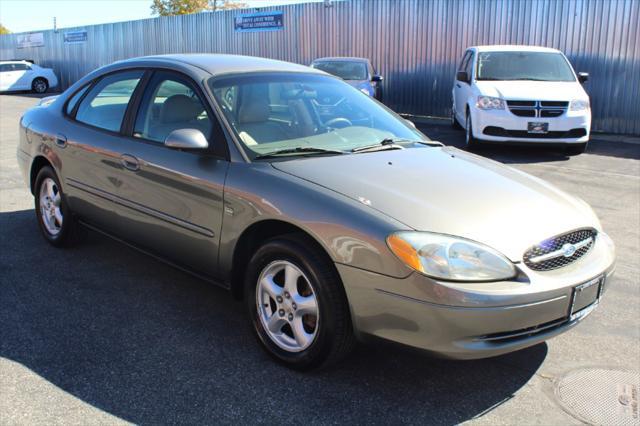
[
  {"x": 4, "y": 30},
  {"x": 185, "y": 7}
]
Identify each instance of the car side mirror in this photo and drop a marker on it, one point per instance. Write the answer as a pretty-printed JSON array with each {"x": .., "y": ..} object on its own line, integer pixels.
[
  {"x": 186, "y": 139},
  {"x": 410, "y": 123},
  {"x": 583, "y": 76},
  {"x": 462, "y": 76},
  {"x": 377, "y": 78}
]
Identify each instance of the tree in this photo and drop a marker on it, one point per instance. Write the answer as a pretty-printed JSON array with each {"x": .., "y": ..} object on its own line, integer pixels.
[
  {"x": 4, "y": 30},
  {"x": 185, "y": 7}
]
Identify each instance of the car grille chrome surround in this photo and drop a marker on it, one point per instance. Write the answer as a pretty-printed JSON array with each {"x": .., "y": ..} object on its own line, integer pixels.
[
  {"x": 539, "y": 109},
  {"x": 561, "y": 250}
]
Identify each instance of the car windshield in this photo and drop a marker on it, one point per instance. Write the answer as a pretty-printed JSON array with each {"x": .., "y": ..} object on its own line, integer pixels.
[
  {"x": 346, "y": 70},
  {"x": 537, "y": 66},
  {"x": 289, "y": 111}
]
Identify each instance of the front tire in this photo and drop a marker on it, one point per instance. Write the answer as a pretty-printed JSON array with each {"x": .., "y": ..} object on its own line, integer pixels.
[
  {"x": 454, "y": 120},
  {"x": 40, "y": 85},
  {"x": 297, "y": 304},
  {"x": 469, "y": 140},
  {"x": 57, "y": 224},
  {"x": 575, "y": 149}
]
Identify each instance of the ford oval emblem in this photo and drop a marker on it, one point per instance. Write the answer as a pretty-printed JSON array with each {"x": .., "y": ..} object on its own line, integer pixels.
[{"x": 568, "y": 250}]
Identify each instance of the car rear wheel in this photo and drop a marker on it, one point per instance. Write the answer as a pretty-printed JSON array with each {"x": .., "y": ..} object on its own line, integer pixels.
[
  {"x": 575, "y": 149},
  {"x": 40, "y": 85},
  {"x": 297, "y": 305},
  {"x": 57, "y": 224}
]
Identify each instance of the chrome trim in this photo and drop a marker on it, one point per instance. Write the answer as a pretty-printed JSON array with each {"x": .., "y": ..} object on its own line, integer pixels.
[
  {"x": 561, "y": 251},
  {"x": 140, "y": 208}
]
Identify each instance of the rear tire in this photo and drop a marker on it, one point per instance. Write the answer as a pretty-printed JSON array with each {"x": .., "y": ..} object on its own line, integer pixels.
[
  {"x": 40, "y": 85},
  {"x": 285, "y": 270},
  {"x": 56, "y": 222},
  {"x": 575, "y": 149}
]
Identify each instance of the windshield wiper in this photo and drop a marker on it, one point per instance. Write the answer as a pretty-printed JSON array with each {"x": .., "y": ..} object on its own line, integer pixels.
[
  {"x": 384, "y": 145},
  {"x": 307, "y": 150}
]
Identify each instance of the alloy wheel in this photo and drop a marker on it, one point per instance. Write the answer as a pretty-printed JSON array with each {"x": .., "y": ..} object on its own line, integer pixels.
[
  {"x": 287, "y": 306},
  {"x": 50, "y": 206}
]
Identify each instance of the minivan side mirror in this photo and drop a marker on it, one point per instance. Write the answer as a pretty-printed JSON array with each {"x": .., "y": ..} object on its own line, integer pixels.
[
  {"x": 583, "y": 76},
  {"x": 186, "y": 139},
  {"x": 377, "y": 78},
  {"x": 462, "y": 76}
]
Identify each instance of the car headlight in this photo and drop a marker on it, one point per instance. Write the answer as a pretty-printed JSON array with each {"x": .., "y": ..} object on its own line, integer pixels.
[
  {"x": 365, "y": 91},
  {"x": 449, "y": 258},
  {"x": 489, "y": 102},
  {"x": 579, "y": 105}
]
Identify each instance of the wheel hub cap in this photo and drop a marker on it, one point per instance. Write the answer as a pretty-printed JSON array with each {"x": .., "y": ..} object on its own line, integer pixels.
[{"x": 50, "y": 210}]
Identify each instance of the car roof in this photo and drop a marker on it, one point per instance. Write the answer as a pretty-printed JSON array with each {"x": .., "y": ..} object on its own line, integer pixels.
[
  {"x": 219, "y": 64},
  {"x": 19, "y": 61},
  {"x": 513, "y": 48},
  {"x": 341, "y": 58}
]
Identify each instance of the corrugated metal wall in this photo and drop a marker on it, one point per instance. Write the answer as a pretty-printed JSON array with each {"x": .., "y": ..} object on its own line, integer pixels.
[{"x": 414, "y": 43}]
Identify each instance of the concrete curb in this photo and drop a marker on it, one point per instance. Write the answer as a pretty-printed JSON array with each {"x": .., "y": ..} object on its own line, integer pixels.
[{"x": 599, "y": 136}]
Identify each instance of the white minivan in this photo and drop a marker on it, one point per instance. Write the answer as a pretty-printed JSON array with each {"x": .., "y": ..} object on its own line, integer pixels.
[{"x": 521, "y": 94}]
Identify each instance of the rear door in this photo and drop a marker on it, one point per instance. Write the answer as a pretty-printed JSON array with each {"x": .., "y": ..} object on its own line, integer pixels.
[
  {"x": 172, "y": 199},
  {"x": 91, "y": 145}
]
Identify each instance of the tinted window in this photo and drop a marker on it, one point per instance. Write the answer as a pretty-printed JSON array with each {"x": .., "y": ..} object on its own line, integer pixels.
[
  {"x": 536, "y": 66},
  {"x": 170, "y": 103},
  {"x": 20, "y": 67},
  {"x": 270, "y": 112},
  {"x": 469, "y": 63},
  {"x": 106, "y": 103},
  {"x": 6, "y": 67},
  {"x": 464, "y": 61},
  {"x": 344, "y": 69},
  {"x": 75, "y": 98}
]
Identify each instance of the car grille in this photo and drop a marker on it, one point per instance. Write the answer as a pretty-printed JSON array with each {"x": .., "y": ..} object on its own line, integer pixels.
[
  {"x": 544, "y": 109},
  {"x": 560, "y": 251}
]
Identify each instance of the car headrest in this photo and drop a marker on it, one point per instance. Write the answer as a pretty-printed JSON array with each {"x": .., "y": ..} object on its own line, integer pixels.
[
  {"x": 255, "y": 110},
  {"x": 178, "y": 109}
]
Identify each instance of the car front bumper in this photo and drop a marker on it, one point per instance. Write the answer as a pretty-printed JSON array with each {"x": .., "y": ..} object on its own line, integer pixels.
[
  {"x": 473, "y": 320},
  {"x": 515, "y": 127}
]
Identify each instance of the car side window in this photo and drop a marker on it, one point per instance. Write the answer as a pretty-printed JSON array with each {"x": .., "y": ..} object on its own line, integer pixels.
[
  {"x": 465, "y": 59},
  {"x": 75, "y": 98},
  {"x": 106, "y": 103},
  {"x": 170, "y": 103},
  {"x": 6, "y": 67},
  {"x": 20, "y": 67},
  {"x": 469, "y": 65}
]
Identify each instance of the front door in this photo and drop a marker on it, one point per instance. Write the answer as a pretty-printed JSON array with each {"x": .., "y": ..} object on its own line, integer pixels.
[{"x": 172, "y": 199}]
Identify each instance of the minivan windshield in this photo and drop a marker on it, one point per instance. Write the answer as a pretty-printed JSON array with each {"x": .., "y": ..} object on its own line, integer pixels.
[
  {"x": 536, "y": 66},
  {"x": 301, "y": 114},
  {"x": 346, "y": 70}
]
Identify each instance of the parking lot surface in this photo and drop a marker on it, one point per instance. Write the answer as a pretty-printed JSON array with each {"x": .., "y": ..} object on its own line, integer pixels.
[{"x": 101, "y": 334}]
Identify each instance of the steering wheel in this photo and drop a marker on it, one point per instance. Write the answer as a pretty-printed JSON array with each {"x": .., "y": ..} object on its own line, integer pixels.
[{"x": 338, "y": 123}]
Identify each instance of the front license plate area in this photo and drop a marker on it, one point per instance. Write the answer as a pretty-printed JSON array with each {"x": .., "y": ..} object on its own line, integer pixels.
[
  {"x": 537, "y": 127},
  {"x": 585, "y": 297}
]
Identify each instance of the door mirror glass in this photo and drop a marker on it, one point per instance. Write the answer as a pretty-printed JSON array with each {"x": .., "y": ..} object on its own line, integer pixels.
[
  {"x": 186, "y": 139},
  {"x": 377, "y": 78},
  {"x": 583, "y": 76},
  {"x": 462, "y": 76}
]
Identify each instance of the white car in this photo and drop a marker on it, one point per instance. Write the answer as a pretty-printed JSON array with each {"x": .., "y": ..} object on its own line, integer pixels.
[
  {"x": 23, "y": 75},
  {"x": 507, "y": 94}
]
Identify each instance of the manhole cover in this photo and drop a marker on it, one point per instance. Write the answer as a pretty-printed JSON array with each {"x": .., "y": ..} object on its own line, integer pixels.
[{"x": 601, "y": 396}]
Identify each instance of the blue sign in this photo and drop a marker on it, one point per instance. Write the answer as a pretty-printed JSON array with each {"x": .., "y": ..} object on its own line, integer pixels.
[
  {"x": 263, "y": 21},
  {"x": 75, "y": 37}
]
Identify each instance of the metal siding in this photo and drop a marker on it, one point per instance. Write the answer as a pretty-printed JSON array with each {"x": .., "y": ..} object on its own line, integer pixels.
[{"x": 414, "y": 44}]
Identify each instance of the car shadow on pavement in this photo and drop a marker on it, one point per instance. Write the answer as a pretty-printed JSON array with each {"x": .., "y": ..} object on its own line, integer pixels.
[{"x": 150, "y": 344}]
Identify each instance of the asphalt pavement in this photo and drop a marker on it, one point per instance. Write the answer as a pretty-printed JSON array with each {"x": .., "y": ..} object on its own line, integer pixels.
[{"x": 101, "y": 334}]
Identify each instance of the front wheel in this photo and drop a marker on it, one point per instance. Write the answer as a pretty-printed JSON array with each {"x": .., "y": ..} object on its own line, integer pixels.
[
  {"x": 454, "y": 120},
  {"x": 575, "y": 149},
  {"x": 469, "y": 140},
  {"x": 57, "y": 224},
  {"x": 297, "y": 305}
]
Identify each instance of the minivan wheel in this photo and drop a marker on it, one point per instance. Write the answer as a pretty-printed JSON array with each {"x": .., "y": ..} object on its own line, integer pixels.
[
  {"x": 297, "y": 304},
  {"x": 57, "y": 224},
  {"x": 454, "y": 120},
  {"x": 575, "y": 149},
  {"x": 40, "y": 85},
  {"x": 469, "y": 140}
]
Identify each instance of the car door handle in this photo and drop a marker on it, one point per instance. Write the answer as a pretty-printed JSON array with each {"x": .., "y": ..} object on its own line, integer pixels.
[
  {"x": 61, "y": 140},
  {"x": 458, "y": 85},
  {"x": 130, "y": 162}
]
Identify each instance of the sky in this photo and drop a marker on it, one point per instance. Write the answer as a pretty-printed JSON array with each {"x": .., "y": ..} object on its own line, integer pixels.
[{"x": 29, "y": 15}]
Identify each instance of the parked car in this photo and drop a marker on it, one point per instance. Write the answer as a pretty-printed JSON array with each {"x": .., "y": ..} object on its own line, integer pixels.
[
  {"x": 358, "y": 72},
  {"x": 331, "y": 220},
  {"x": 522, "y": 94},
  {"x": 24, "y": 75}
]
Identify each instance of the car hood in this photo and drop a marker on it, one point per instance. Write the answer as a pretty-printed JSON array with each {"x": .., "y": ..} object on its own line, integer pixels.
[
  {"x": 533, "y": 90},
  {"x": 449, "y": 191}
]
